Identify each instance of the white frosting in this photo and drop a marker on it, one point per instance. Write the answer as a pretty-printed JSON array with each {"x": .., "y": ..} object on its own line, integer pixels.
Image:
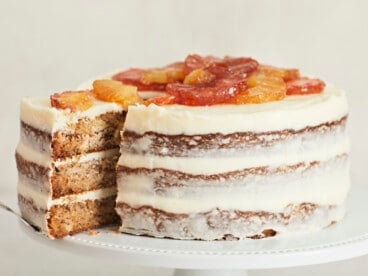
[
  {"x": 294, "y": 112},
  {"x": 29, "y": 153},
  {"x": 198, "y": 226},
  {"x": 256, "y": 158},
  {"x": 38, "y": 113},
  {"x": 44, "y": 159},
  {"x": 44, "y": 200},
  {"x": 327, "y": 184}
]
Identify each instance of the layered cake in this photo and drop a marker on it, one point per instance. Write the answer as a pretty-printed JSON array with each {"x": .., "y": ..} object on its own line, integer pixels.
[{"x": 228, "y": 149}]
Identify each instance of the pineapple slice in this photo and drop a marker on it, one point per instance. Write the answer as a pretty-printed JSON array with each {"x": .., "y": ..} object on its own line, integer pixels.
[
  {"x": 263, "y": 86},
  {"x": 285, "y": 74},
  {"x": 199, "y": 76},
  {"x": 73, "y": 100},
  {"x": 115, "y": 91},
  {"x": 160, "y": 100},
  {"x": 168, "y": 74}
]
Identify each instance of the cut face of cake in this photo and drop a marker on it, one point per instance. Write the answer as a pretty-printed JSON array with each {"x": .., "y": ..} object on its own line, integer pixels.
[
  {"x": 210, "y": 149},
  {"x": 66, "y": 164}
]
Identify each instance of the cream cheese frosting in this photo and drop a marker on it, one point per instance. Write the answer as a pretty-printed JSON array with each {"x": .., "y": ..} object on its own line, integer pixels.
[
  {"x": 38, "y": 113},
  {"x": 323, "y": 186},
  {"x": 255, "y": 158},
  {"x": 45, "y": 159},
  {"x": 44, "y": 200},
  {"x": 293, "y": 112}
]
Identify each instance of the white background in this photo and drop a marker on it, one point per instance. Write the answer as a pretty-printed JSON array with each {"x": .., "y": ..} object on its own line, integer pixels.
[{"x": 50, "y": 46}]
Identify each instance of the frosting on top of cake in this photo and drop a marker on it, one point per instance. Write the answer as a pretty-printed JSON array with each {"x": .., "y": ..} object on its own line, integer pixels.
[
  {"x": 293, "y": 112},
  {"x": 38, "y": 113}
]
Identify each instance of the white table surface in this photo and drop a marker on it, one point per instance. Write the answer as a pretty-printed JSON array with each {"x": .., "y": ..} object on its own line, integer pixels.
[{"x": 49, "y": 46}]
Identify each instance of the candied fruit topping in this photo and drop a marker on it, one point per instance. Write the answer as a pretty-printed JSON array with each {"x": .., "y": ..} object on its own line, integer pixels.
[
  {"x": 197, "y": 81},
  {"x": 262, "y": 88},
  {"x": 154, "y": 79},
  {"x": 304, "y": 86},
  {"x": 133, "y": 76},
  {"x": 193, "y": 62},
  {"x": 286, "y": 74},
  {"x": 160, "y": 100},
  {"x": 209, "y": 80},
  {"x": 115, "y": 91},
  {"x": 199, "y": 76},
  {"x": 73, "y": 100},
  {"x": 168, "y": 74},
  {"x": 227, "y": 79}
]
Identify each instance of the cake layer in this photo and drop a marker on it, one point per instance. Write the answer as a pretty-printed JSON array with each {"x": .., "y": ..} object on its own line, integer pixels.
[
  {"x": 35, "y": 138},
  {"x": 77, "y": 177},
  {"x": 239, "y": 143},
  {"x": 69, "y": 176},
  {"x": 293, "y": 112},
  {"x": 220, "y": 224},
  {"x": 165, "y": 178},
  {"x": 252, "y": 189},
  {"x": 38, "y": 113},
  {"x": 71, "y": 218},
  {"x": 85, "y": 136},
  {"x": 77, "y": 217},
  {"x": 64, "y": 213},
  {"x": 322, "y": 148},
  {"x": 88, "y": 135},
  {"x": 45, "y": 202}
]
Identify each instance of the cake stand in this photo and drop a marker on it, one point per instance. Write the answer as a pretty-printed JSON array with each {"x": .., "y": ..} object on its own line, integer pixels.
[{"x": 344, "y": 240}]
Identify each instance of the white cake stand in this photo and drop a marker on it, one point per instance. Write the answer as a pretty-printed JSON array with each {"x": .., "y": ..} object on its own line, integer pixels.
[{"x": 344, "y": 240}]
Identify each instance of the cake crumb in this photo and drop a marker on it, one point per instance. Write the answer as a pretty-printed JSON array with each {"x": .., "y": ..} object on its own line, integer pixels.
[
  {"x": 114, "y": 229},
  {"x": 92, "y": 232}
]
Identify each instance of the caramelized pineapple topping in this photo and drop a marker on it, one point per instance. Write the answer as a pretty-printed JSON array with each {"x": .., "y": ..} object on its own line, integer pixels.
[
  {"x": 198, "y": 81},
  {"x": 264, "y": 85},
  {"x": 73, "y": 100},
  {"x": 115, "y": 91}
]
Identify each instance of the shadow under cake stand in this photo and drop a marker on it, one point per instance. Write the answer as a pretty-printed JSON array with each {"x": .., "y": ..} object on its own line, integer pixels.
[{"x": 344, "y": 240}]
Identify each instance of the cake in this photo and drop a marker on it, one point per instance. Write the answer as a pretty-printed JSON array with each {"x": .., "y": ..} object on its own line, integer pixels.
[
  {"x": 66, "y": 165},
  {"x": 228, "y": 149}
]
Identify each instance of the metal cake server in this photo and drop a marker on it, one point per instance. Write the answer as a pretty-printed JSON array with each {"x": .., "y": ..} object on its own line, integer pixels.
[{"x": 10, "y": 210}]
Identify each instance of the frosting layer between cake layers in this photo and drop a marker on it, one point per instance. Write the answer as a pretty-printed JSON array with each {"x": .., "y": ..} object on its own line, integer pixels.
[
  {"x": 66, "y": 165},
  {"x": 234, "y": 171}
]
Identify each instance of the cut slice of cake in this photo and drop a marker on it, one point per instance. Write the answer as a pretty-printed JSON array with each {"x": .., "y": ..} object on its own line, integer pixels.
[{"x": 66, "y": 162}]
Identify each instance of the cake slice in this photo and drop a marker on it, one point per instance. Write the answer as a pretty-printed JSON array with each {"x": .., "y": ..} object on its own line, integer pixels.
[{"x": 66, "y": 160}]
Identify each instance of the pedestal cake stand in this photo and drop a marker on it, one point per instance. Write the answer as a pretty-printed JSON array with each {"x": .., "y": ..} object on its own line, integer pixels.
[{"x": 344, "y": 240}]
